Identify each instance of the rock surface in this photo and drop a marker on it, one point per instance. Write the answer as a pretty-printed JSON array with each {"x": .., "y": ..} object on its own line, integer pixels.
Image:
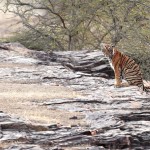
[{"x": 116, "y": 118}]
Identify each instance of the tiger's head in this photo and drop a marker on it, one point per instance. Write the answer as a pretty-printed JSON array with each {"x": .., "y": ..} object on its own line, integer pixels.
[{"x": 108, "y": 50}]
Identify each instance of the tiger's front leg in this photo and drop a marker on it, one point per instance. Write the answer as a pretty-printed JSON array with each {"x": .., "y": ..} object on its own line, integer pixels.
[{"x": 118, "y": 80}]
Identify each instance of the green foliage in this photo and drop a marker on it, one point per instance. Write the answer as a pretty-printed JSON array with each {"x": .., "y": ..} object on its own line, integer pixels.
[
  {"x": 80, "y": 24},
  {"x": 33, "y": 40}
]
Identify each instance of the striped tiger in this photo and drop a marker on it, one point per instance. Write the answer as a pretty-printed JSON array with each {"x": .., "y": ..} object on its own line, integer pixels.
[{"x": 124, "y": 67}]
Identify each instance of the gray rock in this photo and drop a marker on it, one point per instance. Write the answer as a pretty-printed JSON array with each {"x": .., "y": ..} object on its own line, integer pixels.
[{"x": 117, "y": 118}]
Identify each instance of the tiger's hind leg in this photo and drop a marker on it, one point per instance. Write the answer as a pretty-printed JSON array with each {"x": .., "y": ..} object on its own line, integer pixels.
[
  {"x": 122, "y": 84},
  {"x": 125, "y": 84}
]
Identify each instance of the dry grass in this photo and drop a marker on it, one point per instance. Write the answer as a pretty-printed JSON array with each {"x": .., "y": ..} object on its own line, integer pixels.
[
  {"x": 33, "y": 91},
  {"x": 22, "y": 100}
]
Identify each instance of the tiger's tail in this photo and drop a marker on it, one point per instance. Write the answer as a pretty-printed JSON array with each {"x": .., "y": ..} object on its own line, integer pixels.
[{"x": 146, "y": 86}]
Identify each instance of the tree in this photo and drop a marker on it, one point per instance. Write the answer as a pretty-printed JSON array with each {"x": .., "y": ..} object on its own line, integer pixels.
[{"x": 80, "y": 24}]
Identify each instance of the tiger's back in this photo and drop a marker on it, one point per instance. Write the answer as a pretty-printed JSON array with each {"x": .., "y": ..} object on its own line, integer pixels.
[
  {"x": 124, "y": 67},
  {"x": 130, "y": 71}
]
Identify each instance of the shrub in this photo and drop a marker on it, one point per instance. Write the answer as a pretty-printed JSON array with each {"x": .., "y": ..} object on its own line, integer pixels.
[{"x": 32, "y": 40}]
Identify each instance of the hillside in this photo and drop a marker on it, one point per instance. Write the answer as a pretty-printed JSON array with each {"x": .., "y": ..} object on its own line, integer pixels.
[{"x": 66, "y": 100}]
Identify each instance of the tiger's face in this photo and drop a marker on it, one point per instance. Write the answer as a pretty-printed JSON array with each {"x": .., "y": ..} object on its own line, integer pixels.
[{"x": 108, "y": 50}]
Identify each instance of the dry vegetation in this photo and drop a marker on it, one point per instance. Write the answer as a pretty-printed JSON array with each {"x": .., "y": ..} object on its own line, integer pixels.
[{"x": 18, "y": 100}]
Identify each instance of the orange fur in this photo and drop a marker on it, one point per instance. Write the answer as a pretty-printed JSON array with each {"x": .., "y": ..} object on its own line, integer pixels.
[{"x": 124, "y": 67}]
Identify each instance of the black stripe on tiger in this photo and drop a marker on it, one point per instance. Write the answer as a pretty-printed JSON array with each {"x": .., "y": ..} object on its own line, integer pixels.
[
  {"x": 125, "y": 64},
  {"x": 132, "y": 73},
  {"x": 132, "y": 78},
  {"x": 130, "y": 64}
]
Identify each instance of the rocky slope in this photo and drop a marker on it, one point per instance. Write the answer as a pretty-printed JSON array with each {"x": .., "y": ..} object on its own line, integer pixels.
[{"x": 100, "y": 116}]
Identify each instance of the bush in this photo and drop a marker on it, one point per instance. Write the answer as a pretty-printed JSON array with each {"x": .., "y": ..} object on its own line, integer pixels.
[{"x": 32, "y": 40}]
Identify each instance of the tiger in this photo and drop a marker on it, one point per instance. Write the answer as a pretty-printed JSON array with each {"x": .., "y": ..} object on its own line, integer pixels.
[{"x": 124, "y": 67}]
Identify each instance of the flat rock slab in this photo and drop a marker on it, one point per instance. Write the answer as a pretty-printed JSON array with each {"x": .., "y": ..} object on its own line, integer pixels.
[{"x": 103, "y": 117}]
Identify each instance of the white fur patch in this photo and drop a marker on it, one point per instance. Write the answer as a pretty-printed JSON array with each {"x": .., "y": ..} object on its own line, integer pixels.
[
  {"x": 111, "y": 65},
  {"x": 113, "y": 51}
]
